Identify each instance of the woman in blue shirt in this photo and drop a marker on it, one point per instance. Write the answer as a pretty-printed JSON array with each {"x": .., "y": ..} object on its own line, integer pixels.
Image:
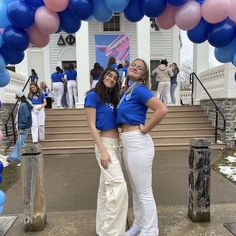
[
  {"x": 38, "y": 115},
  {"x": 138, "y": 148},
  {"x": 112, "y": 200}
]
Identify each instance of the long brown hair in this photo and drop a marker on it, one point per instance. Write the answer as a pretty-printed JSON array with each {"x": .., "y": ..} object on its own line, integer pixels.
[
  {"x": 38, "y": 91},
  {"x": 105, "y": 94}
]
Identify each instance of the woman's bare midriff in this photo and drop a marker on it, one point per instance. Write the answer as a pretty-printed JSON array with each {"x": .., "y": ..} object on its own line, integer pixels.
[
  {"x": 127, "y": 128},
  {"x": 111, "y": 133}
]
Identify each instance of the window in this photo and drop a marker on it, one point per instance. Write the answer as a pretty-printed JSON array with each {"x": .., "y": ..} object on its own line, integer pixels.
[
  {"x": 65, "y": 64},
  {"x": 11, "y": 68},
  {"x": 153, "y": 25},
  {"x": 113, "y": 24}
]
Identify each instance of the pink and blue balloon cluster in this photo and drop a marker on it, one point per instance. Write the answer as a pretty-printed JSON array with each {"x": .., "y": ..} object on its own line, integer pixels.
[{"x": 30, "y": 22}]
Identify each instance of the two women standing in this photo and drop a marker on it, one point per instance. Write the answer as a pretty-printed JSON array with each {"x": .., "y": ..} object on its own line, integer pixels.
[{"x": 138, "y": 148}]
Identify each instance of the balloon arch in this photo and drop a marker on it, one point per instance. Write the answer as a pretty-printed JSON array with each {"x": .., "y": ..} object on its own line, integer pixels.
[{"x": 26, "y": 22}]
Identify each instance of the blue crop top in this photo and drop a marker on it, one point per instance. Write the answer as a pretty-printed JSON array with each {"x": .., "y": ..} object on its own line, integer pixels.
[
  {"x": 132, "y": 109},
  {"x": 105, "y": 112},
  {"x": 38, "y": 100},
  {"x": 57, "y": 77},
  {"x": 71, "y": 74}
]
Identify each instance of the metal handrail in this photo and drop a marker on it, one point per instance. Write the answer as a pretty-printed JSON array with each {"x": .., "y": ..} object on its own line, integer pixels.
[
  {"x": 11, "y": 116},
  {"x": 218, "y": 111}
]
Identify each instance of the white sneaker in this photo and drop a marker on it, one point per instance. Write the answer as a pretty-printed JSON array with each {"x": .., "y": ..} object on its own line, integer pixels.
[
  {"x": 18, "y": 165},
  {"x": 133, "y": 231}
]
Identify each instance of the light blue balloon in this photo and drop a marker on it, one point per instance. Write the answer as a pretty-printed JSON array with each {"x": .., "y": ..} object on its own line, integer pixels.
[
  {"x": 4, "y": 80},
  {"x": 2, "y": 198},
  {"x": 4, "y": 22},
  {"x": 2, "y": 64},
  {"x": 117, "y": 6},
  {"x": 101, "y": 12}
]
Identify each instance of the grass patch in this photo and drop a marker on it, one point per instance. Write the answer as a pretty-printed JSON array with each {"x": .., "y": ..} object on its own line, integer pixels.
[
  {"x": 10, "y": 174},
  {"x": 223, "y": 162}
]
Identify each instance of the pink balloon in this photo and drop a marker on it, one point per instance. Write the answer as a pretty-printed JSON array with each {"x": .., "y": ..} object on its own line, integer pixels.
[
  {"x": 1, "y": 136},
  {"x": 56, "y": 5},
  {"x": 167, "y": 19},
  {"x": 188, "y": 15},
  {"x": 37, "y": 38},
  {"x": 232, "y": 11},
  {"x": 215, "y": 11},
  {"x": 46, "y": 20}
]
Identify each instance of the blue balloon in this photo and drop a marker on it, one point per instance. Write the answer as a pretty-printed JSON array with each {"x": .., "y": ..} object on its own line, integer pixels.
[
  {"x": 68, "y": 22},
  {"x": 177, "y": 2},
  {"x": 4, "y": 79},
  {"x": 10, "y": 55},
  {"x": 2, "y": 198},
  {"x": 117, "y": 6},
  {"x": 1, "y": 167},
  {"x": 35, "y": 3},
  {"x": 234, "y": 63},
  {"x": 1, "y": 209},
  {"x": 154, "y": 8},
  {"x": 1, "y": 40},
  {"x": 4, "y": 21},
  {"x": 16, "y": 39},
  {"x": 134, "y": 12},
  {"x": 226, "y": 54},
  {"x": 199, "y": 33},
  {"x": 221, "y": 34},
  {"x": 2, "y": 64},
  {"x": 1, "y": 179},
  {"x": 101, "y": 12},
  {"x": 20, "y": 14},
  {"x": 82, "y": 9}
]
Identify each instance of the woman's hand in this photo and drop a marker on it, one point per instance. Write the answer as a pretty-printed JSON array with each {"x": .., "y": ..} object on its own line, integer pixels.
[
  {"x": 39, "y": 108},
  {"x": 105, "y": 159},
  {"x": 142, "y": 129}
]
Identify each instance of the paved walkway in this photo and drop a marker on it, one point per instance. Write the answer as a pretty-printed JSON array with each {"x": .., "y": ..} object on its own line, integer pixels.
[{"x": 71, "y": 186}]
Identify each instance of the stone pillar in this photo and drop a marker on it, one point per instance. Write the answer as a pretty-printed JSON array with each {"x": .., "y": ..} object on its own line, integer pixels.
[
  {"x": 33, "y": 191},
  {"x": 199, "y": 180}
]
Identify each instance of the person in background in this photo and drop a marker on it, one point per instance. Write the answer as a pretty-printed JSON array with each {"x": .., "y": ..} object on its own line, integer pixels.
[
  {"x": 23, "y": 125},
  {"x": 111, "y": 63},
  {"x": 58, "y": 85},
  {"x": 34, "y": 76},
  {"x": 125, "y": 67},
  {"x": 112, "y": 200},
  {"x": 71, "y": 78},
  {"x": 163, "y": 74},
  {"x": 138, "y": 147},
  {"x": 47, "y": 93},
  {"x": 38, "y": 115},
  {"x": 95, "y": 74},
  {"x": 173, "y": 82}
]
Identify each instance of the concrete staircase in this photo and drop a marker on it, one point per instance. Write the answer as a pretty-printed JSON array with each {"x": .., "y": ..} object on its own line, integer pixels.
[{"x": 67, "y": 131}]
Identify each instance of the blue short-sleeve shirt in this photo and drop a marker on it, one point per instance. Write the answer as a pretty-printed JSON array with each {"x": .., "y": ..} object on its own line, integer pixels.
[
  {"x": 132, "y": 109},
  {"x": 38, "y": 100},
  {"x": 105, "y": 111},
  {"x": 57, "y": 77},
  {"x": 71, "y": 74}
]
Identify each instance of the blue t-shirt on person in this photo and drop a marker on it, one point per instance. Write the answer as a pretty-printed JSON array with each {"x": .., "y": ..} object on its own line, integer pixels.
[
  {"x": 57, "y": 77},
  {"x": 71, "y": 74},
  {"x": 132, "y": 109},
  {"x": 105, "y": 112},
  {"x": 38, "y": 100}
]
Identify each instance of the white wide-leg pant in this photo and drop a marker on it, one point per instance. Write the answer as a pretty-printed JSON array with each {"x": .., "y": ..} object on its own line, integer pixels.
[
  {"x": 164, "y": 90},
  {"x": 112, "y": 200},
  {"x": 58, "y": 88},
  {"x": 38, "y": 122},
  {"x": 138, "y": 154},
  {"x": 72, "y": 92}
]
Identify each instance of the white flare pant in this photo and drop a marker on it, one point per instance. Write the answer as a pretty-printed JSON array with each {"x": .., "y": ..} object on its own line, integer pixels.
[
  {"x": 112, "y": 200},
  {"x": 72, "y": 92},
  {"x": 138, "y": 154},
  {"x": 38, "y": 122},
  {"x": 58, "y": 88}
]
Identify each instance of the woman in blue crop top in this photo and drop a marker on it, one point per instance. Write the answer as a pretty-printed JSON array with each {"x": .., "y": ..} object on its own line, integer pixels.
[
  {"x": 38, "y": 115},
  {"x": 138, "y": 148},
  {"x": 112, "y": 201}
]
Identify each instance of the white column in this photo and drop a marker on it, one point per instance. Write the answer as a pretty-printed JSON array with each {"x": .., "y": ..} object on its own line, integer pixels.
[
  {"x": 46, "y": 66},
  {"x": 176, "y": 57},
  {"x": 82, "y": 56},
  {"x": 200, "y": 63},
  {"x": 143, "y": 39}
]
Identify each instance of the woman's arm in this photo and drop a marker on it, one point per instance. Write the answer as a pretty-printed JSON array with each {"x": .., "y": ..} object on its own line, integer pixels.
[
  {"x": 91, "y": 119},
  {"x": 160, "y": 110},
  {"x": 42, "y": 105}
]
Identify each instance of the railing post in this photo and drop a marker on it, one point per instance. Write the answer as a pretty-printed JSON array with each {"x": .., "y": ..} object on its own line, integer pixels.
[
  {"x": 216, "y": 125},
  {"x": 199, "y": 180},
  {"x": 192, "y": 82},
  {"x": 32, "y": 180}
]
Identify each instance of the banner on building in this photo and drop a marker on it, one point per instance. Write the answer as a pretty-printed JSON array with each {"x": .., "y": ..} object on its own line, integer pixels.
[{"x": 107, "y": 46}]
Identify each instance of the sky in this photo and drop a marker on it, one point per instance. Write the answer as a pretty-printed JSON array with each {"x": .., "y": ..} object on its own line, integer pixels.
[{"x": 186, "y": 52}]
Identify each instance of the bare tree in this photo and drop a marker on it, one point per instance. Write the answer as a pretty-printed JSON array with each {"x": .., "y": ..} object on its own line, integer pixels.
[{"x": 185, "y": 70}]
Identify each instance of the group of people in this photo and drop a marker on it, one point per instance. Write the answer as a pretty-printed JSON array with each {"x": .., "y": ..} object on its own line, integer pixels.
[
  {"x": 109, "y": 107},
  {"x": 30, "y": 115},
  {"x": 166, "y": 76}
]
